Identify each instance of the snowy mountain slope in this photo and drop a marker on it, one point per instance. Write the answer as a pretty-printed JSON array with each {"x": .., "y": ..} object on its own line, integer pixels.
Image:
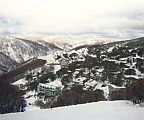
[
  {"x": 2, "y": 69},
  {"x": 95, "y": 72},
  {"x": 108, "y": 110},
  {"x": 6, "y": 61},
  {"x": 107, "y": 67},
  {"x": 18, "y": 50},
  {"x": 89, "y": 73},
  {"x": 22, "y": 48}
]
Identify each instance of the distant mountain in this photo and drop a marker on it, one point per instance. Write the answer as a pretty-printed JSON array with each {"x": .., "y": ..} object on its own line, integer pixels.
[
  {"x": 15, "y": 50},
  {"x": 68, "y": 42}
]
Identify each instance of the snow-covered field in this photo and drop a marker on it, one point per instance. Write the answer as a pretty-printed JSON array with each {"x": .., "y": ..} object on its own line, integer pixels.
[{"x": 104, "y": 110}]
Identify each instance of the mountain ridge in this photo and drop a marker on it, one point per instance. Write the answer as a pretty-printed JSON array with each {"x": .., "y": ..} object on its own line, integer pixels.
[
  {"x": 16, "y": 50},
  {"x": 90, "y": 73}
]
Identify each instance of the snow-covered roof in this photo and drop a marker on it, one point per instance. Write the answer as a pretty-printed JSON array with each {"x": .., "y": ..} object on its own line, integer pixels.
[
  {"x": 21, "y": 81},
  {"x": 46, "y": 85}
]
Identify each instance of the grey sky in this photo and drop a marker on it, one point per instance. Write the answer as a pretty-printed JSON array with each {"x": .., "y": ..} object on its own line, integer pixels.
[{"x": 107, "y": 18}]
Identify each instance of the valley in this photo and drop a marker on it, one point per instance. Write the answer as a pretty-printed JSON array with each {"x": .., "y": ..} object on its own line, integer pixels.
[{"x": 87, "y": 73}]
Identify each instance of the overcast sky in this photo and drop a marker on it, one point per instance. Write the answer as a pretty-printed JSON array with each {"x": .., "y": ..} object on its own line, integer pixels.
[{"x": 106, "y": 18}]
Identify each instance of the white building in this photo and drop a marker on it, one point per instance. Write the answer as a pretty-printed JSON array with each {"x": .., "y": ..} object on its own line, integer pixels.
[{"x": 49, "y": 89}]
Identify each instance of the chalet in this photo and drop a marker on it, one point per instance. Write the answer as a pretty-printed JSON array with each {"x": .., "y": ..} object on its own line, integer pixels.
[{"x": 48, "y": 90}]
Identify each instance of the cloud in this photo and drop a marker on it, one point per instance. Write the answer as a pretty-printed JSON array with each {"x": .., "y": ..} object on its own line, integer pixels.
[
  {"x": 9, "y": 25},
  {"x": 8, "y": 22},
  {"x": 111, "y": 18}
]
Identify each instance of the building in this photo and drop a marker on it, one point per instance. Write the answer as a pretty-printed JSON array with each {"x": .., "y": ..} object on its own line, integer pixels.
[{"x": 48, "y": 90}]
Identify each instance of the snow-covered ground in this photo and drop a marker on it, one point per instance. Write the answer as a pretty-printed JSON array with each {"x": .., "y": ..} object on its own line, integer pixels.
[{"x": 104, "y": 110}]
